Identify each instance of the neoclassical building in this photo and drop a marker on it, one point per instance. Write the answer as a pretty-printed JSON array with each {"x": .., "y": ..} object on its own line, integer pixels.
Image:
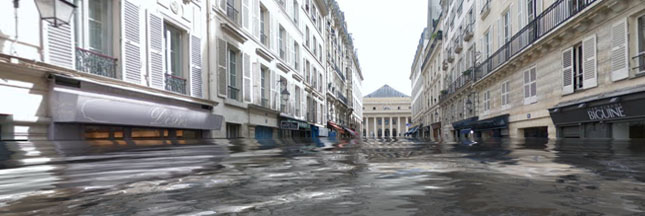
[{"x": 386, "y": 113}]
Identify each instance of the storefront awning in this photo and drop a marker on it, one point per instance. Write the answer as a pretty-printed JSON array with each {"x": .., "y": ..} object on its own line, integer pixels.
[
  {"x": 491, "y": 123},
  {"x": 335, "y": 126},
  {"x": 466, "y": 123},
  {"x": 609, "y": 107}
]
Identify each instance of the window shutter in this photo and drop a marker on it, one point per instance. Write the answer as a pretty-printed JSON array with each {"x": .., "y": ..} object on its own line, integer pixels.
[
  {"x": 520, "y": 14},
  {"x": 590, "y": 76},
  {"x": 196, "y": 67},
  {"x": 257, "y": 83},
  {"x": 538, "y": 7},
  {"x": 131, "y": 26},
  {"x": 533, "y": 76},
  {"x": 619, "y": 61},
  {"x": 256, "y": 18},
  {"x": 155, "y": 55},
  {"x": 247, "y": 79},
  {"x": 303, "y": 103},
  {"x": 500, "y": 33},
  {"x": 567, "y": 71},
  {"x": 221, "y": 67},
  {"x": 239, "y": 78},
  {"x": 245, "y": 14},
  {"x": 60, "y": 46}
]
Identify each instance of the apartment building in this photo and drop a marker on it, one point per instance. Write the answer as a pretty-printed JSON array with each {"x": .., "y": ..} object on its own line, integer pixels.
[
  {"x": 418, "y": 84},
  {"x": 116, "y": 69},
  {"x": 122, "y": 69},
  {"x": 565, "y": 69},
  {"x": 540, "y": 68}
]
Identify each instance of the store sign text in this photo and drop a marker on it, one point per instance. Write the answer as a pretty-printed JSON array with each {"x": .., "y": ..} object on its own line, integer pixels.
[{"x": 605, "y": 112}]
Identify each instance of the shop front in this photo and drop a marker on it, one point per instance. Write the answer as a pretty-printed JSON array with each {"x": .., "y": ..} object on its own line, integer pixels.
[
  {"x": 464, "y": 126},
  {"x": 495, "y": 127},
  {"x": 436, "y": 131},
  {"x": 617, "y": 115},
  {"x": 84, "y": 110},
  {"x": 294, "y": 128},
  {"x": 263, "y": 122}
]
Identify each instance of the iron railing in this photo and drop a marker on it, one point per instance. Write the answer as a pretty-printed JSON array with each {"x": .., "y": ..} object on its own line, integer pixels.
[
  {"x": 233, "y": 93},
  {"x": 341, "y": 97},
  {"x": 95, "y": 63},
  {"x": 232, "y": 13},
  {"x": 640, "y": 60},
  {"x": 339, "y": 72},
  {"x": 558, "y": 13},
  {"x": 175, "y": 84}
]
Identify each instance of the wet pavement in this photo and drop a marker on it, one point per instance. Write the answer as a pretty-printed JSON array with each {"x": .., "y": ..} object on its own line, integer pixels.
[{"x": 322, "y": 177}]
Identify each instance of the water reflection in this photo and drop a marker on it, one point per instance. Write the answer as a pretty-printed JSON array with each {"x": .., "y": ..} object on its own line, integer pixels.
[{"x": 323, "y": 177}]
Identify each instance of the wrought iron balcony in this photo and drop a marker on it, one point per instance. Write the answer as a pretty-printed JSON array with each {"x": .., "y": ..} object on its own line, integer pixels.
[
  {"x": 233, "y": 13},
  {"x": 175, "y": 84},
  {"x": 339, "y": 72},
  {"x": 640, "y": 60},
  {"x": 95, "y": 63},
  {"x": 468, "y": 32},
  {"x": 341, "y": 97},
  {"x": 554, "y": 16}
]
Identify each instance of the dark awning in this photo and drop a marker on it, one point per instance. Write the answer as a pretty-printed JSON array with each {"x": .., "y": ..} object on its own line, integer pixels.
[
  {"x": 611, "y": 107},
  {"x": 466, "y": 123},
  {"x": 491, "y": 123}
]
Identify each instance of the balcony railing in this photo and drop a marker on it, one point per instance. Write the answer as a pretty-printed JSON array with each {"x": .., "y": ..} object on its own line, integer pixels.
[
  {"x": 175, "y": 84},
  {"x": 233, "y": 93},
  {"x": 462, "y": 81},
  {"x": 557, "y": 14},
  {"x": 232, "y": 13},
  {"x": 341, "y": 97},
  {"x": 458, "y": 46},
  {"x": 95, "y": 63},
  {"x": 640, "y": 60},
  {"x": 339, "y": 72},
  {"x": 468, "y": 32}
]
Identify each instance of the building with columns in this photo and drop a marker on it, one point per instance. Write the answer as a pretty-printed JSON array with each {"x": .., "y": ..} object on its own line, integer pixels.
[{"x": 386, "y": 113}]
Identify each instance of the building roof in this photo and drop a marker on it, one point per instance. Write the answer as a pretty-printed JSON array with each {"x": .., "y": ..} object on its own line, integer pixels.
[{"x": 386, "y": 91}]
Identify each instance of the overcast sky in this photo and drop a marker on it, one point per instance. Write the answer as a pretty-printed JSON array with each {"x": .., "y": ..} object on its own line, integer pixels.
[{"x": 386, "y": 34}]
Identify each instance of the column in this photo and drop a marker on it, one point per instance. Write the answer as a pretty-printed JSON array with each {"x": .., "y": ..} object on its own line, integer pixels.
[
  {"x": 391, "y": 127},
  {"x": 367, "y": 127},
  {"x": 375, "y": 128},
  {"x": 406, "y": 124}
]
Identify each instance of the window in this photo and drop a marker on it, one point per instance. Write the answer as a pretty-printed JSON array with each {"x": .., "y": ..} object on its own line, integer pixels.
[
  {"x": 320, "y": 83},
  {"x": 641, "y": 45},
  {"x": 99, "y": 26},
  {"x": 398, "y": 108},
  {"x": 378, "y": 121},
  {"x": 505, "y": 94},
  {"x": 264, "y": 26},
  {"x": 486, "y": 103},
  {"x": 264, "y": 84},
  {"x": 296, "y": 56},
  {"x": 507, "y": 26},
  {"x": 233, "y": 75},
  {"x": 373, "y": 108},
  {"x": 232, "y": 131},
  {"x": 307, "y": 44},
  {"x": 319, "y": 52},
  {"x": 283, "y": 87},
  {"x": 173, "y": 50},
  {"x": 232, "y": 11},
  {"x": 297, "y": 90},
  {"x": 308, "y": 71},
  {"x": 486, "y": 44},
  {"x": 295, "y": 11},
  {"x": 577, "y": 67},
  {"x": 530, "y": 86},
  {"x": 314, "y": 46},
  {"x": 282, "y": 43}
]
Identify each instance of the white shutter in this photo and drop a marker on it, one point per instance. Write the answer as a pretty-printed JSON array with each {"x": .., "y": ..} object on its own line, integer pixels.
[
  {"x": 538, "y": 7},
  {"x": 196, "y": 67},
  {"x": 131, "y": 27},
  {"x": 256, "y": 18},
  {"x": 590, "y": 77},
  {"x": 155, "y": 55},
  {"x": 60, "y": 46},
  {"x": 500, "y": 33},
  {"x": 303, "y": 102},
  {"x": 222, "y": 50},
  {"x": 619, "y": 59},
  {"x": 245, "y": 15},
  {"x": 520, "y": 14},
  {"x": 257, "y": 83},
  {"x": 247, "y": 79},
  {"x": 567, "y": 71}
]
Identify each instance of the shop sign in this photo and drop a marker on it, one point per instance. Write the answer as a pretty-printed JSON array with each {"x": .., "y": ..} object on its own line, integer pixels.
[
  {"x": 289, "y": 125},
  {"x": 605, "y": 112}
]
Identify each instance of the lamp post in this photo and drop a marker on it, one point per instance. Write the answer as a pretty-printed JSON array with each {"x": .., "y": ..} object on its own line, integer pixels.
[{"x": 56, "y": 12}]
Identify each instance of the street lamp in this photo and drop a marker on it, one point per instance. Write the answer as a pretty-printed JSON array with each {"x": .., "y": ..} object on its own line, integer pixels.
[
  {"x": 285, "y": 95},
  {"x": 56, "y": 12}
]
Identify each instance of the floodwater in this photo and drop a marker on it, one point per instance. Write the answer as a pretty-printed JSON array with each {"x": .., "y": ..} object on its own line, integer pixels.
[{"x": 322, "y": 177}]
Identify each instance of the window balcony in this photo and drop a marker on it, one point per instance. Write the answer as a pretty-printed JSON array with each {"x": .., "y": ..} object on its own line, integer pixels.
[
  {"x": 485, "y": 9},
  {"x": 233, "y": 14},
  {"x": 640, "y": 60},
  {"x": 468, "y": 32},
  {"x": 449, "y": 55},
  {"x": 555, "y": 15},
  {"x": 95, "y": 63},
  {"x": 175, "y": 84},
  {"x": 458, "y": 45}
]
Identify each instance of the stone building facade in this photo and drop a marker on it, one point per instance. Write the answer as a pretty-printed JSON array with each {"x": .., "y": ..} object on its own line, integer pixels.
[{"x": 386, "y": 114}]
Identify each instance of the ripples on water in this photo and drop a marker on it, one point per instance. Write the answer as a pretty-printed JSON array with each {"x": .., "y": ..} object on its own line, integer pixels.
[{"x": 322, "y": 177}]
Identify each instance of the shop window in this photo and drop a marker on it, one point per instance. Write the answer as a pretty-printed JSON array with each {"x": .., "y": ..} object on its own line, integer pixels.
[
  {"x": 97, "y": 132},
  {"x": 138, "y": 133},
  {"x": 536, "y": 132},
  {"x": 232, "y": 131}
]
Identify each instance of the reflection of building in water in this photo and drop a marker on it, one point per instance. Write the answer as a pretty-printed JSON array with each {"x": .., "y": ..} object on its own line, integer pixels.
[{"x": 386, "y": 113}]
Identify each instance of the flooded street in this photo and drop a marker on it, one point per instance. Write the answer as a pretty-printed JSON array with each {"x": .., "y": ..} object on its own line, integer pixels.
[{"x": 322, "y": 177}]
